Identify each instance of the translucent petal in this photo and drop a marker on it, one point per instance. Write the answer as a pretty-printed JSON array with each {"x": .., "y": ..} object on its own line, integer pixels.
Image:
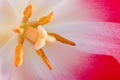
[
  {"x": 7, "y": 15},
  {"x": 84, "y": 10},
  {"x": 95, "y": 37},
  {"x": 68, "y": 64},
  {"x": 42, "y": 7},
  {"x": 18, "y": 8},
  {"x": 6, "y": 59},
  {"x": 33, "y": 67}
]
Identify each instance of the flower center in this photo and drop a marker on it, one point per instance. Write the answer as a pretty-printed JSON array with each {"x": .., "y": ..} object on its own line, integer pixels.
[{"x": 36, "y": 35}]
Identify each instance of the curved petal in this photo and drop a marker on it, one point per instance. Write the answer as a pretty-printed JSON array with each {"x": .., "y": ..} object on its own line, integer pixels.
[
  {"x": 65, "y": 61},
  {"x": 33, "y": 67},
  {"x": 94, "y": 37},
  {"x": 71, "y": 64},
  {"x": 87, "y": 10},
  {"x": 68, "y": 64}
]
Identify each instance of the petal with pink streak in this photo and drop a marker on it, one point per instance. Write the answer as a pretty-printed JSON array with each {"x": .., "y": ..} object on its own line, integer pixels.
[
  {"x": 93, "y": 37},
  {"x": 99, "y": 67},
  {"x": 87, "y": 10},
  {"x": 61, "y": 57},
  {"x": 68, "y": 64}
]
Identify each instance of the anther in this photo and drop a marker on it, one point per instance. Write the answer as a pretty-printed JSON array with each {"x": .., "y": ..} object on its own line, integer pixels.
[
  {"x": 18, "y": 57},
  {"x": 18, "y": 30},
  {"x": 46, "y": 19},
  {"x": 44, "y": 58},
  {"x": 27, "y": 13},
  {"x": 62, "y": 39}
]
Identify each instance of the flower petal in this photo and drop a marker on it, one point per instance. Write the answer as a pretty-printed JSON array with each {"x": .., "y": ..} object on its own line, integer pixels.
[
  {"x": 7, "y": 21},
  {"x": 68, "y": 64},
  {"x": 18, "y": 8},
  {"x": 42, "y": 7},
  {"x": 84, "y": 10},
  {"x": 7, "y": 17},
  {"x": 6, "y": 59},
  {"x": 71, "y": 64},
  {"x": 93, "y": 37},
  {"x": 33, "y": 67}
]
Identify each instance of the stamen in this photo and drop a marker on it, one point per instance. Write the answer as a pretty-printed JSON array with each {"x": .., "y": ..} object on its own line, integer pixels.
[
  {"x": 18, "y": 58},
  {"x": 37, "y": 35},
  {"x": 18, "y": 30},
  {"x": 27, "y": 13},
  {"x": 40, "y": 52},
  {"x": 46, "y": 19},
  {"x": 62, "y": 39}
]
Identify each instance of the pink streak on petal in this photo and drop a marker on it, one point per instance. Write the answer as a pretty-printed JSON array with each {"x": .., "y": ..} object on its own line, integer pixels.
[
  {"x": 109, "y": 10},
  {"x": 100, "y": 67},
  {"x": 93, "y": 37}
]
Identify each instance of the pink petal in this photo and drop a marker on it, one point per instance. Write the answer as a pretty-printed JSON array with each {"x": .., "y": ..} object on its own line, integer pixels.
[
  {"x": 87, "y": 10},
  {"x": 72, "y": 64},
  {"x": 93, "y": 37},
  {"x": 99, "y": 67},
  {"x": 68, "y": 64}
]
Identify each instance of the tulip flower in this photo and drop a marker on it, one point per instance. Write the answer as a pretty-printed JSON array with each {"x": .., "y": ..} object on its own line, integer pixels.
[{"x": 58, "y": 40}]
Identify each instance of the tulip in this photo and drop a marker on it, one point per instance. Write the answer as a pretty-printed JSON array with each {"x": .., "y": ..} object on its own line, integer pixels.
[{"x": 57, "y": 40}]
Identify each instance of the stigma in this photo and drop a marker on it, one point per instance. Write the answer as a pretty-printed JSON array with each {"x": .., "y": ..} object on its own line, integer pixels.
[{"x": 36, "y": 35}]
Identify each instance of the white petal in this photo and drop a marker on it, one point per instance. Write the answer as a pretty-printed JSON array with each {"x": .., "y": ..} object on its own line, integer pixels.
[
  {"x": 93, "y": 37},
  {"x": 33, "y": 67},
  {"x": 6, "y": 60},
  {"x": 7, "y": 15},
  {"x": 43, "y": 7},
  {"x": 18, "y": 7},
  {"x": 8, "y": 21}
]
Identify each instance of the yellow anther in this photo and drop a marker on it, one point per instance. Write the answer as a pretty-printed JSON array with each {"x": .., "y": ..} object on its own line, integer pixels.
[
  {"x": 62, "y": 39},
  {"x": 18, "y": 57},
  {"x": 44, "y": 58},
  {"x": 46, "y": 19},
  {"x": 18, "y": 30},
  {"x": 27, "y": 13}
]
